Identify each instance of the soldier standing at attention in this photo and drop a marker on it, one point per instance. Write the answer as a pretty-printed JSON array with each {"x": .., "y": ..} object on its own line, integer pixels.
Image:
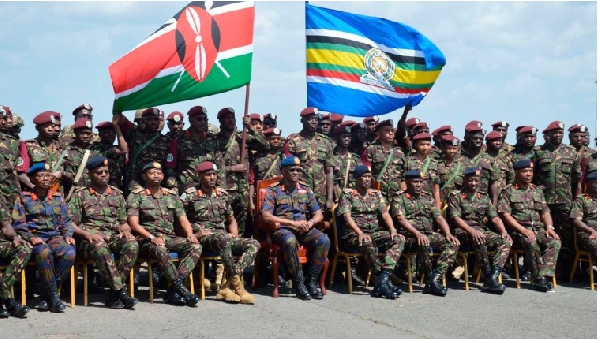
[
  {"x": 420, "y": 160},
  {"x": 502, "y": 128},
  {"x": 115, "y": 153},
  {"x": 99, "y": 213},
  {"x": 67, "y": 136},
  {"x": 371, "y": 124},
  {"x": 289, "y": 202},
  {"x": 41, "y": 217},
  {"x": 556, "y": 168},
  {"x": 471, "y": 212},
  {"x": 315, "y": 155},
  {"x": 324, "y": 127},
  {"x": 437, "y": 154},
  {"x": 416, "y": 211},
  {"x": 266, "y": 165},
  {"x": 344, "y": 162},
  {"x": 475, "y": 154},
  {"x": 500, "y": 158},
  {"x": 525, "y": 147},
  {"x": 152, "y": 212},
  {"x": 523, "y": 209},
  {"x": 209, "y": 210},
  {"x": 359, "y": 138},
  {"x": 585, "y": 216},
  {"x": 451, "y": 167},
  {"x": 361, "y": 208},
  {"x": 9, "y": 151},
  {"x": 175, "y": 124},
  {"x": 336, "y": 119},
  {"x": 256, "y": 122}
]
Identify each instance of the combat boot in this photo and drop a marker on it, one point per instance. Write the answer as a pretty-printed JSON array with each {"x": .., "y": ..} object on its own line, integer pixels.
[
  {"x": 491, "y": 284},
  {"x": 238, "y": 285},
  {"x": 173, "y": 297},
  {"x": 128, "y": 301},
  {"x": 540, "y": 284},
  {"x": 42, "y": 304},
  {"x": 299, "y": 287},
  {"x": 56, "y": 305},
  {"x": 3, "y": 313},
  {"x": 190, "y": 299},
  {"x": 382, "y": 288},
  {"x": 356, "y": 279},
  {"x": 111, "y": 300},
  {"x": 313, "y": 285},
  {"x": 227, "y": 292},
  {"x": 15, "y": 309},
  {"x": 434, "y": 286}
]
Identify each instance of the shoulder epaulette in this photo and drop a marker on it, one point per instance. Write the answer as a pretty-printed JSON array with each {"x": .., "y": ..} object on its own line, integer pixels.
[
  {"x": 222, "y": 191},
  {"x": 302, "y": 183},
  {"x": 78, "y": 189},
  {"x": 348, "y": 190},
  {"x": 274, "y": 184},
  {"x": 172, "y": 191},
  {"x": 116, "y": 189},
  {"x": 191, "y": 190},
  {"x": 138, "y": 190},
  {"x": 455, "y": 192}
]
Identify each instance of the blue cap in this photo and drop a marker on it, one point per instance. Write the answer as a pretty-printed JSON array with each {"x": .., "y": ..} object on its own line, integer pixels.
[
  {"x": 290, "y": 161},
  {"x": 360, "y": 170},
  {"x": 151, "y": 165},
  {"x": 96, "y": 162},
  {"x": 38, "y": 167},
  {"x": 411, "y": 174},
  {"x": 591, "y": 176},
  {"x": 471, "y": 171},
  {"x": 523, "y": 164}
]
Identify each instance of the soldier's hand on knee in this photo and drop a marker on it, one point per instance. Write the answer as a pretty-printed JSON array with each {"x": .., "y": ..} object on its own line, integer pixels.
[
  {"x": 551, "y": 233},
  {"x": 422, "y": 239},
  {"x": 363, "y": 238},
  {"x": 19, "y": 241},
  {"x": 70, "y": 241},
  {"x": 192, "y": 239},
  {"x": 126, "y": 235},
  {"x": 36, "y": 241},
  {"x": 478, "y": 237},
  {"x": 158, "y": 241},
  {"x": 530, "y": 234},
  {"x": 593, "y": 235},
  {"x": 94, "y": 238},
  {"x": 450, "y": 238}
]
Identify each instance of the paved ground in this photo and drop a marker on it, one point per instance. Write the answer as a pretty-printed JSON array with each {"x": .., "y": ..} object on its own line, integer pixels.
[{"x": 571, "y": 312}]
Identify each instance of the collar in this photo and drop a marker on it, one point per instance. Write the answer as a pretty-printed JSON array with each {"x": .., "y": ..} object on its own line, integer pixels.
[
  {"x": 464, "y": 195},
  {"x": 216, "y": 191},
  {"x": 355, "y": 192},
  {"x": 149, "y": 192},
  {"x": 282, "y": 186},
  {"x": 516, "y": 186},
  {"x": 108, "y": 190},
  {"x": 35, "y": 197}
]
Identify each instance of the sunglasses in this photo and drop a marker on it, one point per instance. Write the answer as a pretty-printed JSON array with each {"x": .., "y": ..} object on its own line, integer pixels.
[{"x": 295, "y": 170}]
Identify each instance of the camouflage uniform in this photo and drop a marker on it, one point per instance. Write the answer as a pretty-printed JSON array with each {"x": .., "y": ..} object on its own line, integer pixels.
[
  {"x": 519, "y": 154},
  {"x": 436, "y": 154},
  {"x": 295, "y": 205},
  {"x": 67, "y": 136},
  {"x": 391, "y": 178},
  {"x": 506, "y": 149},
  {"x": 504, "y": 166},
  {"x": 74, "y": 160},
  {"x": 342, "y": 170},
  {"x": 116, "y": 164},
  {"x": 104, "y": 214},
  {"x": 49, "y": 220},
  {"x": 157, "y": 215},
  {"x": 9, "y": 180},
  {"x": 365, "y": 211},
  {"x": 17, "y": 257},
  {"x": 210, "y": 213},
  {"x": 585, "y": 208},
  {"x": 34, "y": 151},
  {"x": 315, "y": 155},
  {"x": 428, "y": 167},
  {"x": 421, "y": 212},
  {"x": 451, "y": 175},
  {"x": 527, "y": 207},
  {"x": 266, "y": 166},
  {"x": 489, "y": 172},
  {"x": 476, "y": 212}
]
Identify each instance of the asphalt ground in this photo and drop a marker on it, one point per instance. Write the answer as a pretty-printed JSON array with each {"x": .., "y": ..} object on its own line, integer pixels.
[{"x": 571, "y": 312}]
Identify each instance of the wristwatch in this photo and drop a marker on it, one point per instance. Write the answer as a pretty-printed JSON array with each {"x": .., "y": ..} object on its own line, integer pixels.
[
  {"x": 151, "y": 237},
  {"x": 550, "y": 227},
  {"x": 313, "y": 221}
]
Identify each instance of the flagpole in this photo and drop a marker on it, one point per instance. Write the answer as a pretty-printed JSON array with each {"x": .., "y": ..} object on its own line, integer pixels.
[{"x": 243, "y": 148}]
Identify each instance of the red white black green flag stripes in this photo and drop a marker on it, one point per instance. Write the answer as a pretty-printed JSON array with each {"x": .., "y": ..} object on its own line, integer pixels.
[{"x": 204, "y": 49}]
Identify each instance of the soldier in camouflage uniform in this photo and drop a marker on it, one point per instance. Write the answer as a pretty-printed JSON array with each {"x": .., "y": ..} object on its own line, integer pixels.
[
  {"x": 451, "y": 167},
  {"x": 9, "y": 150},
  {"x": 18, "y": 124},
  {"x": 269, "y": 121},
  {"x": 371, "y": 126},
  {"x": 256, "y": 122},
  {"x": 588, "y": 165},
  {"x": 289, "y": 203},
  {"x": 343, "y": 162},
  {"x": 558, "y": 171},
  {"x": 266, "y": 165},
  {"x": 115, "y": 153},
  {"x": 175, "y": 124},
  {"x": 361, "y": 208},
  {"x": 99, "y": 213},
  {"x": 386, "y": 159},
  {"x": 360, "y": 140},
  {"x": 236, "y": 170},
  {"x": 475, "y": 154},
  {"x": 502, "y": 128},
  {"x": 501, "y": 159},
  {"x": 83, "y": 111},
  {"x": 525, "y": 148},
  {"x": 577, "y": 136},
  {"x": 324, "y": 127},
  {"x": 437, "y": 153},
  {"x": 315, "y": 154},
  {"x": 152, "y": 213},
  {"x": 209, "y": 210},
  {"x": 471, "y": 212},
  {"x": 422, "y": 161},
  {"x": 416, "y": 211},
  {"x": 15, "y": 252},
  {"x": 585, "y": 216},
  {"x": 336, "y": 119},
  {"x": 523, "y": 209},
  {"x": 41, "y": 217}
]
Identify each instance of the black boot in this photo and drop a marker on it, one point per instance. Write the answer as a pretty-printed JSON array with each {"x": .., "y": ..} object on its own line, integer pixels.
[
  {"x": 491, "y": 284},
  {"x": 356, "y": 279},
  {"x": 3, "y": 313},
  {"x": 174, "y": 298},
  {"x": 392, "y": 286},
  {"x": 541, "y": 284},
  {"x": 434, "y": 286},
  {"x": 312, "y": 285},
  {"x": 15, "y": 309},
  {"x": 56, "y": 305},
  {"x": 299, "y": 287},
  {"x": 112, "y": 300},
  {"x": 128, "y": 302},
  {"x": 42, "y": 304},
  {"x": 190, "y": 299},
  {"x": 382, "y": 287}
]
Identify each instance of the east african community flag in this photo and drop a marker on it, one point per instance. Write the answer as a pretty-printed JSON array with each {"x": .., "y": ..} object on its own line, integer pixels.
[
  {"x": 204, "y": 49},
  {"x": 361, "y": 66}
]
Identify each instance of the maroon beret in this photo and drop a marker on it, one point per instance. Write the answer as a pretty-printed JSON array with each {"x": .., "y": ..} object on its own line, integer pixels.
[
  {"x": 325, "y": 117},
  {"x": 5, "y": 111},
  {"x": 347, "y": 123},
  {"x": 206, "y": 166},
  {"x": 370, "y": 119},
  {"x": 336, "y": 118},
  {"x": 578, "y": 128},
  {"x": 473, "y": 128},
  {"x": 528, "y": 130},
  {"x": 519, "y": 128},
  {"x": 46, "y": 117},
  {"x": 449, "y": 139},
  {"x": 387, "y": 122},
  {"x": 272, "y": 131},
  {"x": 555, "y": 125},
  {"x": 82, "y": 123},
  {"x": 474, "y": 123},
  {"x": 86, "y": 108},
  {"x": 104, "y": 125},
  {"x": 442, "y": 129},
  {"x": 410, "y": 122},
  {"x": 176, "y": 116},
  {"x": 196, "y": 110},
  {"x": 152, "y": 111},
  {"x": 493, "y": 135},
  {"x": 421, "y": 136},
  {"x": 501, "y": 123},
  {"x": 309, "y": 111},
  {"x": 342, "y": 130},
  {"x": 225, "y": 111},
  {"x": 358, "y": 126},
  {"x": 420, "y": 124},
  {"x": 256, "y": 116}
]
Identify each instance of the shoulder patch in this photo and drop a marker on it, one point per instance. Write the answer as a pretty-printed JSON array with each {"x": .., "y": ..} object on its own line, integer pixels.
[
  {"x": 138, "y": 190},
  {"x": 183, "y": 196}
]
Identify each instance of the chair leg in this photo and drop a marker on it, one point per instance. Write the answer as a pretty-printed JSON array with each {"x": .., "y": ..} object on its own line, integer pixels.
[
  {"x": 23, "y": 290},
  {"x": 275, "y": 293},
  {"x": 192, "y": 290},
  {"x": 202, "y": 288},
  {"x": 131, "y": 282},
  {"x": 73, "y": 275},
  {"x": 85, "y": 285},
  {"x": 478, "y": 276},
  {"x": 255, "y": 273},
  {"x": 349, "y": 274},
  {"x": 322, "y": 277},
  {"x": 150, "y": 282},
  {"x": 409, "y": 269},
  {"x": 554, "y": 281},
  {"x": 466, "y": 272},
  {"x": 591, "y": 264},
  {"x": 333, "y": 268},
  {"x": 368, "y": 278},
  {"x": 444, "y": 279},
  {"x": 421, "y": 280},
  {"x": 516, "y": 267},
  {"x": 574, "y": 268}
]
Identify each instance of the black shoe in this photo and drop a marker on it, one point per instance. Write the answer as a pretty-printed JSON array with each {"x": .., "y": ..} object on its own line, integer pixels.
[
  {"x": 15, "y": 309},
  {"x": 356, "y": 279},
  {"x": 434, "y": 286},
  {"x": 56, "y": 305},
  {"x": 541, "y": 284},
  {"x": 190, "y": 299},
  {"x": 393, "y": 287},
  {"x": 112, "y": 300},
  {"x": 491, "y": 284},
  {"x": 382, "y": 288},
  {"x": 128, "y": 302},
  {"x": 299, "y": 287},
  {"x": 174, "y": 298},
  {"x": 312, "y": 285},
  {"x": 42, "y": 304},
  {"x": 549, "y": 285},
  {"x": 3, "y": 313}
]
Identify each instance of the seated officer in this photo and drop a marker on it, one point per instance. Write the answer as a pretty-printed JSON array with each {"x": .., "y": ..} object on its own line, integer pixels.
[
  {"x": 470, "y": 210},
  {"x": 152, "y": 212},
  {"x": 584, "y": 214},
  {"x": 99, "y": 213},
  {"x": 209, "y": 211},
  {"x": 41, "y": 217},
  {"x": 362, "y": 208},
  {"x": 15, "y": 251},
  {"x": 288, "y": 203},
  {"x": 523, "y": 209},
  {"x": 416, "y": 211}
]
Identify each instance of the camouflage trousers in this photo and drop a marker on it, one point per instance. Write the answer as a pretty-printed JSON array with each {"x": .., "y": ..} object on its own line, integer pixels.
[
  {"x": 246, "y": 248},
  {"x": 380, "y": 239},
  {"x": 239, "y": 205},
  {"x": 539, "y": 264},
  {"x": 17, "y": 258},
  {"x": 494, "y": 241},
  {"x": 54, "y": 259},
  {"x": 116, "y": 274},
  {"x": 437, "y": 243},
  {"x": 564, "y": 228},
  {"x": 290, "y": 242},
  {"x": 586, "y": 243},
  {"x": 9, "y": 189},
  {"x": 189, "y": 254}
]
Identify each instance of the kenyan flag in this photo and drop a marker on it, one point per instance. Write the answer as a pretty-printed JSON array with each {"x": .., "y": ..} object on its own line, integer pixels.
[{"x": 204, "y": 49}]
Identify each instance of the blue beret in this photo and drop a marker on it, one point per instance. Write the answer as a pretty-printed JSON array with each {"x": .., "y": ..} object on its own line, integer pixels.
[
  {"x": 471, "y": 171},
  {"x": 360, "y": 170},
  {"x": 591, "y": 176},
  {"x": 96, "y": 162},
  {"x": 151, "y": 165},
  {"x": 290, "y": 161},
  {"x": 38, "y": 167},
  {"x": 523, "y": 164},
  {"x": 415, "y": 173}
]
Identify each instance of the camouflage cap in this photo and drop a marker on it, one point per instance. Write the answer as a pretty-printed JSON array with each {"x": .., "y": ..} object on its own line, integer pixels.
[
  {"x": 213, "y": 129},
  {"x": 17, "y": 120}
]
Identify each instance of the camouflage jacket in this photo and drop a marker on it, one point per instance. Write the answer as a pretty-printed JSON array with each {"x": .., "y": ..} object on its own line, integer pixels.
[
  {"x": 555, "y": 171},
  {"x": 428, "y": 167},
  {"x": 452, "y": 175},
  {"x": 67, "y": 136},
  {"x": 436, "y": 154},
  {"x": 489, "y": 172},
  {"x": 526, "y": 206},
  {"x": 157, "y": 214},
  {"x": 266, "y": 166},
  {"x": 585, "y": 208},
  {"x": 504, "y": 167},
  {"x": 365, "y": 210},
  {"x": 74, "y": 159},
  {"x": 44, "y": 218},
  {"x": 506, "y": 149},
  {"x": 393, "y": 175},
  {"x": 419, "y": 211},
  {"x": 518, "y": 154},
  {"x": 35, "y": 151},
  {"x": 299, "y": 204},
  {"x": 9, "y": 181},
  {"x": 475, "y": 210},
  {"x": 207, "y": 212},
  {"x": 343, "y": 170},
  {"x": 116, "y": 164},
  {"x": 588, "y": 164},
  {"x": 98, "y": 212}
]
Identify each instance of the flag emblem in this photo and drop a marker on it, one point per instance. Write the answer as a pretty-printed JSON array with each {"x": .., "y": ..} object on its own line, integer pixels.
[{"x": 380, "y": 69}]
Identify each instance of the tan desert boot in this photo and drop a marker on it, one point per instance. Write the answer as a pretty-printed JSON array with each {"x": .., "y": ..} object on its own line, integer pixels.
[
  {"x": 227, "y": 292},
  {"x": 238, "y": 285}
]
